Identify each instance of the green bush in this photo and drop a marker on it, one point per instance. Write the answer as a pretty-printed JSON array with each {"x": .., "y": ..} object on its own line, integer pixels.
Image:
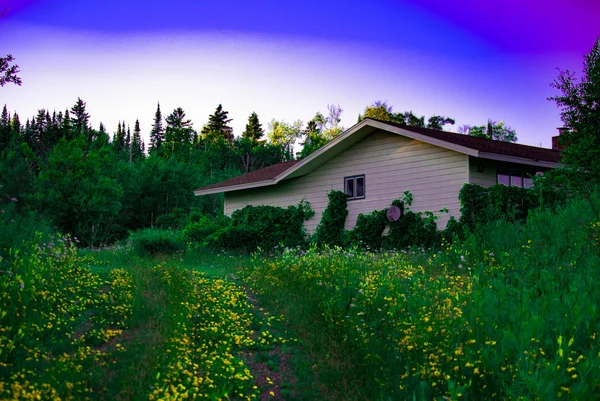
[
  {"x": 330, "y": 230},
  {"x": 263, "y": 226},
  {"x": 412, "y": 229},
  {"x": 20, "y": 230},
  {"x": 483, "y": 205},
  {"x": 196, "y": 232},
  {"x": 368, "y": 230},
  {"x": 152, "y": 241}
]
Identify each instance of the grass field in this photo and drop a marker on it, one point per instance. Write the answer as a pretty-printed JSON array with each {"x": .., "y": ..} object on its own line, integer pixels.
[
  {"x": 512, "y": 314},
  {"x": 107, "y": 325}
]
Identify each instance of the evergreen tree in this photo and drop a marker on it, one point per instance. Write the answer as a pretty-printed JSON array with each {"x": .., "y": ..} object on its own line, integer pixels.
[
  {"x": 218, "y": 127},
  {"x": 157, "y": 134},
  {"x": 65, "y": 128},
  {"x": 80, "y": 121},
  {"x": 15, "y": 125},
  {"x": 254, "y": 131},
  {"x": 579, "y": 101},
  {"x": 119, "y": 139},
  {"x": 179, "y": 133},
  {"x": 102, "y": 138},
  {"x": 136, "y": 142},
  {"x": 128, "y": 139},
  {"x": 5, "y": 129}
]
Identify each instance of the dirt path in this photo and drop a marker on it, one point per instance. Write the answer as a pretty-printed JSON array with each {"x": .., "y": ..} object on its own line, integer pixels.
[{"x": 271, "y": 367}]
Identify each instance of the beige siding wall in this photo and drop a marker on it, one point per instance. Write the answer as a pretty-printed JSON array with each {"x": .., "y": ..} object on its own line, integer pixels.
[
  {"x": 391, "y": 164},
  {"x": 482, "y": 172}
]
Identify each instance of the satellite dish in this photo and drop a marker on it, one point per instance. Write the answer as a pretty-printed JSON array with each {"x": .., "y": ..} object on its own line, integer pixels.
[{"x": 393, "y": 213}]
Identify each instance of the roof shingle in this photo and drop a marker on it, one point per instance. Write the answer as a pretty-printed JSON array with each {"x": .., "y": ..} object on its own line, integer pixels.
[{"x": 265, "y": 174}]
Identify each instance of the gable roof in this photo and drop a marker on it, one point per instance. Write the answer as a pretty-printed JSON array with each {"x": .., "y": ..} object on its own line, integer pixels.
[
  {"x": 264, "y": 174},
  {"x": 469, "y": 145}
]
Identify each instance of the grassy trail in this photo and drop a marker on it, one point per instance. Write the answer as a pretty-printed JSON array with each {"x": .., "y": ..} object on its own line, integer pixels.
[{"x": 106, "y": 326}]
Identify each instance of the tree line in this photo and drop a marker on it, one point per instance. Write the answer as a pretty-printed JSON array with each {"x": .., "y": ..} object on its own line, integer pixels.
[{"x": 99, "y": 186}]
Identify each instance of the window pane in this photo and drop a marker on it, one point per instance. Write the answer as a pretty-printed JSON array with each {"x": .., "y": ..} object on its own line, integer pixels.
[
  {"x": 360, "y": 187},
  {"x": 503, "y": 177},
  {"x": 349, "y": 187},
  {"x": 526, "y": 182},
  {"x": 516, "y": 180}
]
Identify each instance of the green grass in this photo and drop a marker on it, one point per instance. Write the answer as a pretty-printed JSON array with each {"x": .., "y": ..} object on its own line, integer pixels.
[
  {"x": 511, "y": 313},
  {"x": 106, "y": 324}
]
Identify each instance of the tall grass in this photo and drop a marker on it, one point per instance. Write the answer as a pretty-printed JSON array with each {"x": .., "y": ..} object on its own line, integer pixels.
[{"x": 512, "y": 313}]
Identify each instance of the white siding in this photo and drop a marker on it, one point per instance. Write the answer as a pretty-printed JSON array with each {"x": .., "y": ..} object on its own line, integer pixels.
[
  {"x": 391, "y": 164},
  {"x": 482, "y": 172}
]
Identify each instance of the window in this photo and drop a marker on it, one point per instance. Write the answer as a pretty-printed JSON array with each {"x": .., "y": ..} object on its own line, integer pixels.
[
  {"x": 354, "y": 187},
  {"x": 514, "y": 178}
]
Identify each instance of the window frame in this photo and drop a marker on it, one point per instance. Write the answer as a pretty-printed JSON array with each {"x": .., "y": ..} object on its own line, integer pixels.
[
  {"x": 354, "y": 179},
  {"x": 510, "y": 173}
]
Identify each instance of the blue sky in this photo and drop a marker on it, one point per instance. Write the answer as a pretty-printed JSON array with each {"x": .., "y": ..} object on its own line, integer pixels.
[{"x": 288, "y": 60}]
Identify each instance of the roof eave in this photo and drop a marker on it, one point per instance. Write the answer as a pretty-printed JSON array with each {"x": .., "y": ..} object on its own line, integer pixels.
[
  {"x": 519, "y": 160},
  {"x": 230, "y": 188}
]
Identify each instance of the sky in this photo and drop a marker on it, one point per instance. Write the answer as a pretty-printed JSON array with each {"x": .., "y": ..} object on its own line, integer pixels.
[{"x": 470, "y": 60}]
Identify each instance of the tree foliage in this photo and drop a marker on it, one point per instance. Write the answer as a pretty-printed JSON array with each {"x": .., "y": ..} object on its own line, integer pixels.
[
  {"x": 497, "y": 131},
  {"x": 8, "y": 72},
  {"x": 382, "y": 111},
  {"x": 579, "y": 102}
]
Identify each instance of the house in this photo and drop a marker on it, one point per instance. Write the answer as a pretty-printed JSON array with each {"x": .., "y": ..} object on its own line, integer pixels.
[{"x": 374, "y": 162}]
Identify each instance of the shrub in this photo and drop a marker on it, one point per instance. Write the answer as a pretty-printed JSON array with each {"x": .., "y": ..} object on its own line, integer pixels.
[
  {"x": 196, "y": 232},
  {"x": 483, "y": 205},
  {"x": 152, "y": 241},
  {"x": 330, "y": 230},
  {"x": 368, "y": 230},
  {"x": 411, "y": 229},
  {"x": 264, "y": 227}
]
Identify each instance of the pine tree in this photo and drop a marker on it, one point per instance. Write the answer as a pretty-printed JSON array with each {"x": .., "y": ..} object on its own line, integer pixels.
[
  {"x": 157, "y": 134},
  {"x": 80, "y": 119},
  {"x": 5, "y": 129},
  {"x": 217, "y": 125},
  {"x": 65, "y": 128},
  {"x": 15, "y": 125},
  {"x": 127, "y": 138},
  {"x": 179, "y": 132},
  {"x": 119, "y": 139},
  {"x": 136, "y": 142},
  {"x": 254, "y": 131}
]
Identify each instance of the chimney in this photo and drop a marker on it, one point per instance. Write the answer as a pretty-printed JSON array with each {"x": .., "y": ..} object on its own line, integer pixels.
[{"x": 558, "y": 142}]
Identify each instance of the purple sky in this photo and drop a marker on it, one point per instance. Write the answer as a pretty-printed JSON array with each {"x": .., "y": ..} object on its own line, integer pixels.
[{"x": 287, "y": 60}]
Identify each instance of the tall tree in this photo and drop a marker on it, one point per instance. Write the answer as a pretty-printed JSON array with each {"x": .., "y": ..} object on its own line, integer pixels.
[
  {"x": 579, "y": 102},
  {"x": 498, "y": 131},
  {"x": 179, "y": 133},
  {"x": 254, "y": 131},
  {"x": 5, "y": 129},
  {"x": 379, "y": 111},
  {"x": 81, "y": 118},
  {"x": 136, "y": 143},
  {"x": 438, "y": 122},
  {"x": 218, "y": 127},
  {"x": 157, "y": 134},
  {"x": 285, "y": 134},
  {"x": 119, "y": 139}
]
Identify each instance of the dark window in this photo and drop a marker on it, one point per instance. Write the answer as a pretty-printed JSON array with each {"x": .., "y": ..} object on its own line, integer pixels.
[
  {"x": 514, "y": 178},
  {"x": 354, "y": 187},
  {"x": 349, "y": 187},
  {"x": 503, "y": 177}
]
